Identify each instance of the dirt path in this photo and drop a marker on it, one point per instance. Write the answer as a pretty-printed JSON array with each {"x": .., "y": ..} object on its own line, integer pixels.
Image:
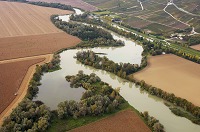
[{"x": 24, "y": 85}]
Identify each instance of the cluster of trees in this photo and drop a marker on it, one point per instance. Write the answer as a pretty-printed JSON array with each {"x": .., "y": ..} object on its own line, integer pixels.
[
  {"x": 99, "y": 97},
  {"x": 91, "y": 59},
  {"x": 92, "y": 35},
  {"x": 53, "y": 65},
  {"x": 150, "y": 47},
  {"x": 28, "y": 116},
  {"x": 192, "y": 40},
  {"x": 182, "y": 113},
  {"x": 152, "y": 122},
  {"x": 177, "y": 101}
]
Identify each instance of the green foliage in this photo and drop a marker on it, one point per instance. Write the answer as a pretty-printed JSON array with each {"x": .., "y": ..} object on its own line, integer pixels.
[
  {"x": 91, "y": 35},
  {"x": 177, "y": 101},
  {"x": 152, "y": 122},
  {"x": 182, "y": 113},
  {"x": 91, "y": 59},
  {"x": 94, "y": 101},
  {"x": 28, "y": 116},
  {"x": 53, "y": 5}
]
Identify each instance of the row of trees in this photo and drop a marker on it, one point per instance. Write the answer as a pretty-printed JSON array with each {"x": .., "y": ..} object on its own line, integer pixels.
[
  {"x": 98, "y": 98},
  {"x": 177, "y": 101},
  {"x": 92, "y": 35},
  {"x": 150, "y": 47},
  {"x": 152, "y": 122},
  {"x": 53, "y": 5},
  {"x": 45, "y": 4},
  {"x": 35, "y": 81},
  {"x": 91, "y": 59}
]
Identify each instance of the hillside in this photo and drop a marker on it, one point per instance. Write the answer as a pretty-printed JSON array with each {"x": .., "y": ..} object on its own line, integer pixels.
[{"x": 155, "y": 15}]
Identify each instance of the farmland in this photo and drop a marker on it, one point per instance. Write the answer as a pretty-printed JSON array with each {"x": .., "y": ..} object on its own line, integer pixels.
[
  {"x": 74, "y": 3},
  {"x": 126, "y": 120},
  {"x": 150, "y": 14},
  {"x": 19, "y": 19},
  {"x": 24, "y": 46},
  {"x": 27, "y": 37},
  {"x": 173, "y": 75},
  {"x": 11, "y": 77},
  {"x": 197, "y": 47}
]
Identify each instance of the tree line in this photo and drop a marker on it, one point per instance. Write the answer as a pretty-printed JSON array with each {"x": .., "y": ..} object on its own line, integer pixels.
[
  {"x": 46, "y": 4},
  {"x": 91, "y": 59},
  {"x": 152, "y": 122},
  {"x": 91, "y": 35}
]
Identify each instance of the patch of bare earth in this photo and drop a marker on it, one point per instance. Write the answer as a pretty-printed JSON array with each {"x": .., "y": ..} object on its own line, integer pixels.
[
  {"x": 197, "y": 47},
  {"x": 173, "y": 74},
  {"x": 75, "y": 3},
  {"x": 15, "y": 77},
  {"x": 11, "y": 76},
  {"x": 125, "y": 121},
  {"x": 20, "y": 19},
  {"x": 23, "y": 46}
]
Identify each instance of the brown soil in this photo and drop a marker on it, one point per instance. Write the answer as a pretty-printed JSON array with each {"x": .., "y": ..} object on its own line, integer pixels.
[
  {"x": 197, "y": 47},
  {"x": 75, "y": 3},
  {"x": 15, "y": 77},
  {"x": 11, "y": 76},
  {"x": 23, "y": 46},
  {"x": 125, "y": 121},
  {"x": 20, "y": 19},
  {"x": 173, "y": 74}
]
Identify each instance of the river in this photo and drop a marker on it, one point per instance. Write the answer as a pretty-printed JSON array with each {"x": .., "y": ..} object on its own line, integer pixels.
[{"x": 55, "y": 88}]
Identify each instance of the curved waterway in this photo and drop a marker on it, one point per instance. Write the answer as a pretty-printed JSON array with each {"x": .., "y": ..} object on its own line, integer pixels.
[{"x": 55, "y": 88}]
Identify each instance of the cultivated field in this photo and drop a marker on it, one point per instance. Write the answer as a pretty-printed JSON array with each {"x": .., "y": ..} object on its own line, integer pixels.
[
  {"x": 125, "y": 121},
  {"x": 174, "y": 75},
  {"x": 75, "y": 3},
  {"x": 19, "y": 73},
  {"x": 27, "y": 38},
  {"x": 23, "y": 46},
  {"x": 11, "y": 76},
  {"x": 152, "y": 15},
  {"x": 19, "y": 19},
  {"x": 197, "y": 47}
]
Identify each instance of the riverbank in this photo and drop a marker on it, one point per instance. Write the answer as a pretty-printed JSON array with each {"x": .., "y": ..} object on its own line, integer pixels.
[
  {"x": 24, "y": 85},
  {"x": 173, "y": 74}
]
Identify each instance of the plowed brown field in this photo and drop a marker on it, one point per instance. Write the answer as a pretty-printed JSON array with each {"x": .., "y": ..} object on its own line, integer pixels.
[
  {"x": 75, "y": 3},
  {"x": 197, "y": 47},
  {"x": 11, "y": 76},
  {"x": 26, "y": 32},
  {"x": 125, "y": 121},
  {"x": 23, "y": 46},
  {"x": 173, "y": 74},
  {"x": 19, "y": 19}
]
